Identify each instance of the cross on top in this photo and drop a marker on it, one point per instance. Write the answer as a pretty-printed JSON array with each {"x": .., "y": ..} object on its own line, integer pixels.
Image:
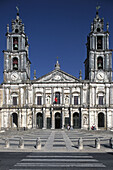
[
  {"x": 97, "y": 8},
  {"x": 17, "y": 9}
]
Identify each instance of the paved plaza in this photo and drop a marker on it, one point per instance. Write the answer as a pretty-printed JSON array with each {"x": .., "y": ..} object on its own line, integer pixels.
[
  {"x": 59, "y": 150},
  {"x": 56, "y": 140}
]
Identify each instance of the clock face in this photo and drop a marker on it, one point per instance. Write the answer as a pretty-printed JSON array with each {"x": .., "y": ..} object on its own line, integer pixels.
[
  {"x": 100, "y": 75},
  {"x": 14, "y": 76}
]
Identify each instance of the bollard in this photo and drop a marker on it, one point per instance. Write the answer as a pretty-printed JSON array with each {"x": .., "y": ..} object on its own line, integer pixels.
[
  {"x": 97, "y": 143},
  {"x": 111, "y": 142},
  {"x": 38, "y": 144},
  {"x": 80, "y": 144},
  {"x": 21, "y": 143},
  {"x": 7, "y": 144}
]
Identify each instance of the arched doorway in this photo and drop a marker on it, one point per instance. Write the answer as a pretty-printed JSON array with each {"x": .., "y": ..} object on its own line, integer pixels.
[
  {"x": 14, "y": 120},
  {"x": 57, "y": 120},
  {"x": 76, "y": 123},
  {"x": 101, "y": 120},
  {"x": 39, "y": 120}
]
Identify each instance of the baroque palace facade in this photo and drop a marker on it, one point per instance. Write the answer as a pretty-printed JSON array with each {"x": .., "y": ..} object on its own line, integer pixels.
[{"x": 57, "y": 99}]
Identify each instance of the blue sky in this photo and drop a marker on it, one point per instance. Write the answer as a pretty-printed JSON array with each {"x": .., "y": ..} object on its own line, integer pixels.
[{"x": 55, "y": 28}]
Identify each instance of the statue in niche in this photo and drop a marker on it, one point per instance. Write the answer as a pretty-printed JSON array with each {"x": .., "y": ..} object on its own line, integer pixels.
[
  {"x": 85, "y": 120},
  {"x": 67, "y": 99},
  {"x": 48, "y": 99},
  {"x": 30, "y": 120}
]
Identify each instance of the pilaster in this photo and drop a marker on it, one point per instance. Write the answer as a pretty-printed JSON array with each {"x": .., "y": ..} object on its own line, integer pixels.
[
  {"x": 63, "y": 118},
  {"x": 71, "y": 117},
  {"x": 44, "y": 119},
  {"x": 53, "y": 119}
]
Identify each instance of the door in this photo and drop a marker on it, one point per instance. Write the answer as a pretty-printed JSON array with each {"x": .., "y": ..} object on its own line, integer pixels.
[
  {"x": 14, "y": 120},
  {"x": 39, "y": 120},
  {"x": 76, "y": 123},
  {"x": 101, "y": 120},
  {"x": 57, "y": 121}
]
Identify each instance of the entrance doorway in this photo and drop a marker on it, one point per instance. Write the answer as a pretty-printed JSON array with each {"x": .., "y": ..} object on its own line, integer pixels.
[
  {"x": 14, "y": 120},
  {"x": 101, "y": 120},
  {"x": 76, "y": 123},
  {"x": 39, "y": 120},
  {"x": 57, "y": 120}
]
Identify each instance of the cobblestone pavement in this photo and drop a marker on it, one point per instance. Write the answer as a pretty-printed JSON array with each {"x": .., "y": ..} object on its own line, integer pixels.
[{"x": 56, "y": 140}]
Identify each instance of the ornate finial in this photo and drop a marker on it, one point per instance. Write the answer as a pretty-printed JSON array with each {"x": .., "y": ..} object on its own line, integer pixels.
[
  {"x": 91, "y": 27},
  {"x": 17, "y": 10},
  {"x": 17, "y": 17},
  {"x": 80, "y": 75},
  {"x": 34, "y": 74},
  {"x": 57, "y": 65},
  {"x": 7, "y": 28},
  {"x": 97, "y": 8},
  {"x": 107, "y": 25}
]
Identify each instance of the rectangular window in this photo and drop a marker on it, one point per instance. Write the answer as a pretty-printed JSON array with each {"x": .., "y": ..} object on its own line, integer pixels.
[
  {"x": 100, "y": 100},
  {"x": 14, "y": 101},
  {"x": 99, "y": 42},
  {"x": 15, "y": 43},
  {"x": 39, "y": 100},
  {"x": 75, "y": 100}
]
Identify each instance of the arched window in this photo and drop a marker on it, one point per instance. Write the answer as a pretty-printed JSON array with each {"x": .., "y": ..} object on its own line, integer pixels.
[
  {"x": 100, "y": 63},
  {"x": 15, "y": 43},
  {"x": 15, "y": 63},
  {"x": 99, "y": 42}
]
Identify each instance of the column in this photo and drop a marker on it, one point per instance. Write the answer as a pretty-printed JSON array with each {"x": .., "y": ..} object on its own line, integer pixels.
[
  {"x": 81, "y": 95},
  {"x": 89, "y": 117},
  {"x": 107, "y": 102},
  {"x": 70, "y": 96},
  {"x": 44, "y": 96},
  {"x": 107, "y": 42},
  {"x": 81, "y": 119},
  {"x": 34, "y": 119},
  {"x": 71, "y": 118},
  {"x": 21, "y": 96},
  {"x": 53, "y": 120},
  {"x": 7, "y": 96},
  {"x": 62, "y": 96},
  {"x": 95, "y": 97},
  {"x": 111, "y": 95},
  {"x": 63, "y": 118},
  {"x": 44, "y": 118},
  {"x": 52, "y": 95},
  {"x": 95, "y": 121}
]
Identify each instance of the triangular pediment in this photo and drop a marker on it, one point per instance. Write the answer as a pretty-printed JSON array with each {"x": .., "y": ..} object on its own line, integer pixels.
[{"x": 57, "y": 76}]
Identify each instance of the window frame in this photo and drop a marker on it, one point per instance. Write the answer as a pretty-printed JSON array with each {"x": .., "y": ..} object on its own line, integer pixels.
[
  {"x": 76, "y": 100},
  {"x": 101, "y": 100},
  {"x": 39, "y": 100}
]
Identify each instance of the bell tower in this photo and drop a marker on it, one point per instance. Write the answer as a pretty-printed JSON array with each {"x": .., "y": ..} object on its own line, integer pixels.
[
  {"x": 16, "y": 57},
  {"x": 98, "y": 64}
]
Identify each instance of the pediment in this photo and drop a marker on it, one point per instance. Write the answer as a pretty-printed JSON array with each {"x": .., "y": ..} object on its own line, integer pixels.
[{"x": 57, "y": 76}]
